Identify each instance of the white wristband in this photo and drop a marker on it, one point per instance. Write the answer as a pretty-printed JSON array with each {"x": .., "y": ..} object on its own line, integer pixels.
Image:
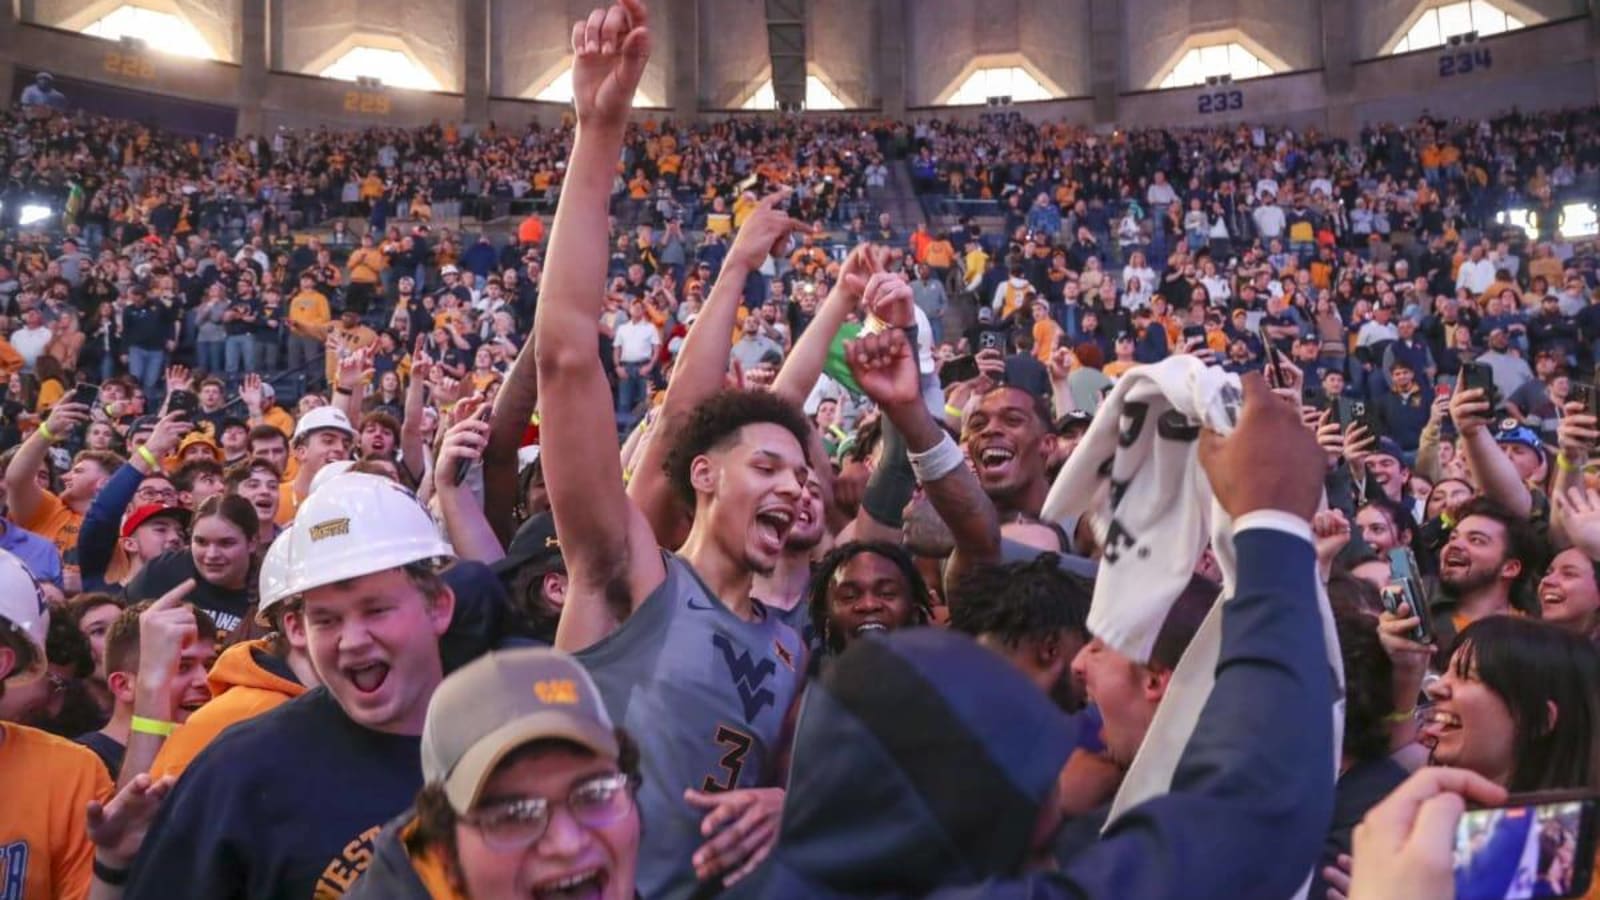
[{"x": 937, "y": 461}]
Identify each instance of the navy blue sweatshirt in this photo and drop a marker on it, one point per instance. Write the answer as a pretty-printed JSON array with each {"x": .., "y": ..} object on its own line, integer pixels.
[
  {"x": 102, "y": 525},
  {"x": 283, "y": 805},
  {"x": 1249, "y": 809},
  {"x": 1253, "y": 792}
]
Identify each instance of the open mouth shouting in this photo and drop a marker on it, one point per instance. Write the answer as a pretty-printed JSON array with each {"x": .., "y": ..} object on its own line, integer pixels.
[
  {"x": 772, "y": 527},
  {"x": 368, "y": 678},
  {"x": 588, "y": 884},
  {"x": 994, "y": 460}
]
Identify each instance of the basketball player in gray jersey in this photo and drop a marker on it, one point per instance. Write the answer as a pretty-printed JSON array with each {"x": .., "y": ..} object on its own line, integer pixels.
[{"x": 704, "y": 675}]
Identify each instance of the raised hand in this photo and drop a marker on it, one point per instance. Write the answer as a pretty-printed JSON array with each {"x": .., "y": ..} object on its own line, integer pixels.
[
  {"x": 169, "y": 431},
  {"x": 250, "y": 392},
  {"x": 1576, "y": 434},
  {"x": 1332, "y": 532},
  {"x": 1269, "y": 462},
  {"x": 610, "y": 50},
  {"x": 1580, "y": 516},
  {"x": 464, "y": 442},
  {"x": 888, "y": 298},
  {"x": 355, "y": 366},
  {"x": 865, "y": 261},
  {"x": 1470, "y": 410},
  {"x": 1404, "y": 845},
  {"x": 885, "y": 366},
  {"x": 64, "y": 417},
  {"x": 179, "y": 378},
  {"x": 764, "y": 231},
  {"x": 165, "y": 629}
]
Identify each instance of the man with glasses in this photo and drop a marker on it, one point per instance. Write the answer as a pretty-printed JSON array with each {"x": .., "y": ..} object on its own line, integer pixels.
[
  {"x": 529, "y": 787},
  {"x": 141, "y": 485}
]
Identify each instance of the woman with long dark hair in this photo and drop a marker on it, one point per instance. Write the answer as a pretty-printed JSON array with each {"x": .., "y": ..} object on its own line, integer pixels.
[{"x": 1517, "y": 705}]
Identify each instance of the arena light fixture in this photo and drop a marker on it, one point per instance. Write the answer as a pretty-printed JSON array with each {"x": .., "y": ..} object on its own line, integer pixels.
[
  {"x": 32, "y": 213},
  {"x": 1578, "y": 220},
  {"x": 1516, "y": 216}
]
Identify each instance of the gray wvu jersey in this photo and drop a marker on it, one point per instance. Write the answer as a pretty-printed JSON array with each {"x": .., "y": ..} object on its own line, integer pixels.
[{"x": 705, "y": 694}]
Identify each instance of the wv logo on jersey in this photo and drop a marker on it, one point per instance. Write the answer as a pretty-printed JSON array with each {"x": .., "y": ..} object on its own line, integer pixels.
[{"x": 749, "y": 677}]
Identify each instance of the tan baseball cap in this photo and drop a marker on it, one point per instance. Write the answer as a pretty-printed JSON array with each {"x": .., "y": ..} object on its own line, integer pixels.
[{"x": 502, "y": 701}]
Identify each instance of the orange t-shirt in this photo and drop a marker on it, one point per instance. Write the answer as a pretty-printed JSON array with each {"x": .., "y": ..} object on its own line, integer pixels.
[
  {"x": 44, "y": 843},
  {"x": 55, "y": 521}
]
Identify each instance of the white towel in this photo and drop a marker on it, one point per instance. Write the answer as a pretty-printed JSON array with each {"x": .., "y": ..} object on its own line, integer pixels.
[{"x": 1137, "y": 474}]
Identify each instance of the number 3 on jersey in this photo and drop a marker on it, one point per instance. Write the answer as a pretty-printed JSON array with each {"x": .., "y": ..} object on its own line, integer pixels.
[{"x": 738, "y": 744}]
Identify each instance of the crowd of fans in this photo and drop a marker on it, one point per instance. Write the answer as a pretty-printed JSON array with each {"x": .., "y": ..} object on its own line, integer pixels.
[{"x": 320, "y": 576}]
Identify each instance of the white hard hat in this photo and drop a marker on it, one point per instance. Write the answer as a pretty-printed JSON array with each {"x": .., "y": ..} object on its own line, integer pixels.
[
  {"x": 320, "y": 418},
  {"x": 359, "y": 525},
  {"x": 22, "y": 604},
  {"x": 329, "y": 472},
  {"x": 274, "y": 576}
]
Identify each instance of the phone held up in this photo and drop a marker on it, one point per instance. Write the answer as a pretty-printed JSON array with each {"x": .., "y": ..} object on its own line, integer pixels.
[{"x": 1535, "y": 845}]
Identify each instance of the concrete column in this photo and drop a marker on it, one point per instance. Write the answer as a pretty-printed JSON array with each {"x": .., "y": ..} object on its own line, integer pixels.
[
  {"x": 475, "y": 61},
  {"x": 8, "y": 47},
  {"x": 1106, "y": 62},
  {"x": 892, "y": 56},
  {"x": 1339, "y": 37},
  {"x": 254, "y": 28},
  {"x": 683, "y": 83}
]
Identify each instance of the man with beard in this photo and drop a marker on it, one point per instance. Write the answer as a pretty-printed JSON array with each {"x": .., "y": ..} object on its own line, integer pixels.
[
  {"x": 1036, "y": 616},
  {"x": 1009, "y": 439},
  {"x": 1482, "y": 569}
]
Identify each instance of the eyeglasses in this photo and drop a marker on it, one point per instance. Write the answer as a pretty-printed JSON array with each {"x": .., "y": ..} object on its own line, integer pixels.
[
  {"x": 518, "y": 824},
  {"x": 157, "y": 494}
]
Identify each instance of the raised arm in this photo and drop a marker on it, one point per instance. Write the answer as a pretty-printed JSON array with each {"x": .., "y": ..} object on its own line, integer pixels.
[
  {"x": 1496, "y": 476},
  {"x": 23, "y": 494},
  {"x": 885, "y": 365},
  {"x": 514, "y": 406},
  {"x": 413, "y": 449},
  {"x": 702, "y": 366},
  {"x": 464, "y": 522},
  {"x": 610, "y": 551},
  {"x": 810, "y": 354}
]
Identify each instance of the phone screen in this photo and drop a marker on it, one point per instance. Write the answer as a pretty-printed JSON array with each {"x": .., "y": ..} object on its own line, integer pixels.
[
  {"x": 957, "y": 370},
  {"x": 1525, "y": 850}
]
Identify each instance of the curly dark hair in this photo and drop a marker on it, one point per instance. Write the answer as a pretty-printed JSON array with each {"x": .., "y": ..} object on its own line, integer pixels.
[
  {"x": 822, "y": 578},
  {"x": 715, "y": 423},
  {"x": 1020, "y": 600}
]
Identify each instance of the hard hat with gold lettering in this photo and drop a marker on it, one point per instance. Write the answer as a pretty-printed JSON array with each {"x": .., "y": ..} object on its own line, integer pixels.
[
  {"x": 23, "y": 609},
  {"x": 356, "y": 525}
]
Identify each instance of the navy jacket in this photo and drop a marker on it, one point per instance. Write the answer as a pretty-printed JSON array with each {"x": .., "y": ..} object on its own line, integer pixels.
[
  {"x": 1249, "y": 810},
  {"x": 102, "y": 525}
]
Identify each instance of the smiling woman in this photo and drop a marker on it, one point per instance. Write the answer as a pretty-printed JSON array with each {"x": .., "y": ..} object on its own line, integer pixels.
[{"x": 1516, "y": 705}]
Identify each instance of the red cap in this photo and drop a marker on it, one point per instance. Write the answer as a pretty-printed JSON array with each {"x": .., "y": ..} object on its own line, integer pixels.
[{"x": 145, "y": 513}]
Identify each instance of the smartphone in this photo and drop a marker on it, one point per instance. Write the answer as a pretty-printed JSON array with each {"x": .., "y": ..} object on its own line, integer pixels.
[
  {"x": 1478, "y": 375},
  {"x": 1406, "y": 586},
  {"x": 1536, "y": 845},
  {"x": 958, "y": 369},
  {"x": 1584, "y": 392},
  {"x": 185, "y": 402},
  {"x": 1274, "y": 370},
  {"x": 1193, "y": 332},
  {"x": 87, "y": 394},
  {"x": 463, "y": 466}
]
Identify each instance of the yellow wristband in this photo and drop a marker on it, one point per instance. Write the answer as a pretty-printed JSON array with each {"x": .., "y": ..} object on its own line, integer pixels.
[
  {"x": 142, "y": 725},
  {"x": 1397, "y": 717},
  {"x": 44, "y": 431},
  {"x": 1564, "y": 464},
  {"x": 952, "y": 410},
  {"x": 147, "y": 456}
]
